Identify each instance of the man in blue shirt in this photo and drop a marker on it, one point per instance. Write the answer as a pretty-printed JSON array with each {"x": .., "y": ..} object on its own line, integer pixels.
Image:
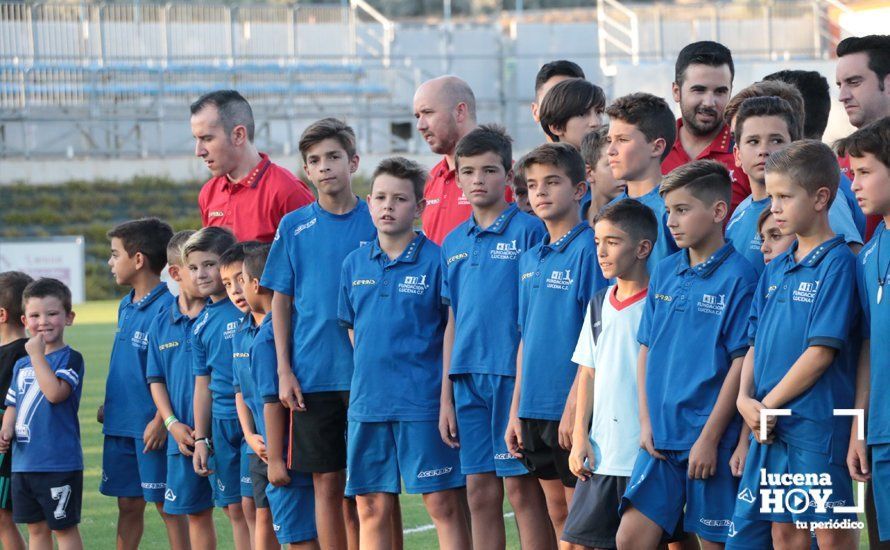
[
  {"x": 398, "y": 439},
  {"x": 697, "y": 307},
  {"x": 556, "y": 281},
  {"x": 41, "y": 421},
  {"x": 480, "y": 284},
  {"x": 169, "y": 374},
  {"x": 314, "y": 355},
  {"x": 868, "y": 150},
  {"x": 134, "y": 466},
  {"x": 800, "y": 330}
]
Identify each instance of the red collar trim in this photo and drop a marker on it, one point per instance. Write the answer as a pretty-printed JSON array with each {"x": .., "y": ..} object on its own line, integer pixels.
[
  {"x": 722, "y": 143},
  {"x": 621, "y": 304},
  {"x": 253, "y": 178}
]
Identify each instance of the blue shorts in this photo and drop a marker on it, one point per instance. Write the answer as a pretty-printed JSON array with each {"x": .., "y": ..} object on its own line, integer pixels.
[
  {"x": 482, "y": 404},
  {"x": 128, "y": 472},
  {"x": 880, "y": 482},
  {"x": 379, "y": 453},
  {"x": 781, "y": 458},
  {"x": 293, "y": 510},
  {"x": 246, "y": 483},
  {"x": 226, "y": 462},
  {"x": 187, "y": 492},
  {"x": 660, "y": 489}
]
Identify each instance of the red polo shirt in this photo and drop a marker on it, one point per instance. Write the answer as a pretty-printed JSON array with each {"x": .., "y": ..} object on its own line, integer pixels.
[
  {"x": 720, "y": 150},
  {"x": 446, "y": 205},
  {"x": 872, "y": 221},
  {"x": 252, "y": 207}
]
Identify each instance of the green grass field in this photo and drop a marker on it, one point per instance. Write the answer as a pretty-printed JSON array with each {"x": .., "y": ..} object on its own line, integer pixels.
[{"x": 92, "y": 334}]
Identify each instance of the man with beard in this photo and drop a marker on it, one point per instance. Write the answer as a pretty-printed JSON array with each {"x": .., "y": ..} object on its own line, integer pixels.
[{"x": 702, "y": 87}]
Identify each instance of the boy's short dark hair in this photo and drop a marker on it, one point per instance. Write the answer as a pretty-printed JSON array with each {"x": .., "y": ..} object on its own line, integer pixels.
[
  {"x": 809, "y": 163},
  {"x": 328, "y": 128},
  {"x": 761, "y": 219},
  {"x": 45, "y": 288},
  {"x": 650, "y": 114},
  {"x": 255, "y": 257},
  {"x": 872, "y": 138},
  {"x": 876, "y": 47},
  {"x": 236, "y": 253},
  {"x": 561, "y": 155},
  {"x": 816, "y": 98},
  {"x": 148, "y": 236},
  {"x": 593, "y": 145},
  {"x": 402, "y": 168},
  {"x": 569, "y": 98},
  {"x": 174, "y": 247},
  {"x": 633, "y": 217},
  {"x": 707, "y": 180},
  {"x": 233, "y": 110},
  {"x": 12, "y": 286},
  {"x": 215, "y": 240},
  {"x": 520, "y": 186},
  {"x": 560, "y": 67},
  {"x": 488, "y": 138},
  {"x": 766, "y": 106},
  {"x": 706, "y": 52}
]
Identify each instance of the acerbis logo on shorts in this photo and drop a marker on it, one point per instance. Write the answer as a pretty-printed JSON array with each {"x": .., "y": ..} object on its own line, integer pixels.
[
  {"x": 434, "y": 473},
  {"x": 147, "y": 485},
  {"x": 504, "y": 456},
  {"x": 246, "y": 480},
  {"x": 169, "y": 495},
  {"x": 715, "y": 522},
  {"x": 276, "y": 527}
]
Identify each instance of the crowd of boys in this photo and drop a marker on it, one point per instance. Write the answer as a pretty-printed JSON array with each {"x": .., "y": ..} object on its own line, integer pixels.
[{"x": 637, "y": 352}]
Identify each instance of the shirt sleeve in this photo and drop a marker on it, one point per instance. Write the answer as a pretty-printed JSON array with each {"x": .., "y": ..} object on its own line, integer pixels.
[
  {"x": 735, "y": 334},
  {"x": 757, "y": 303},
  {"x": 585, "y": 348},
  {"x": 834, "y": 307},
  {"x": 265, "y": 368},
  {"x": 862, "y": 292},
  {"x": 72, "y": 371},
  {"x": 199, "y": 351},
  {"x": 523, "y": 295},
  {"x": 644, "y": 332},
  {"x": 840, "y": 218},
  {"x": 11, "y": 395},
  {"x": 279, "y": 271},
  {"x": 345, "y": 311},
  {"x": 154, "y": 371},
  {"x": 202, "y": 205},
  {"x": 445, "y": 290},
  {"x": 587, "y": 285},
  {"x": 298, "y": 196}
]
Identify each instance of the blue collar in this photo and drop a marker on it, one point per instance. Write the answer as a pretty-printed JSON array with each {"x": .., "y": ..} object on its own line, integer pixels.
[
  {"x": 813, "y": 258},
  {"x": 408, "y": 256},
  {"x": 498, "y": 226},
  {"x": 146, "y": 300},
  {"x": 707, "y": 267},
  {"x": 211, "y": 304},
  {"x": 563, "y": 242},
  {"x": 246, "y": 322}
]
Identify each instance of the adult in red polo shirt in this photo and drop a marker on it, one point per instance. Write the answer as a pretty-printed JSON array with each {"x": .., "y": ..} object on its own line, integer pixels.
[
  {"x": 247, "y": 193},
  {"x": 702, "y": 87},
  {"x": 864, "y": 89}
]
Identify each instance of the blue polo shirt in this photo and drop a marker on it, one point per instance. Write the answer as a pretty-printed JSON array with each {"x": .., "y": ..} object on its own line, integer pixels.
[
  {"x": 695, "y": 325},
  {"x": 798, "y": 305},
  {"x": 47, "y": 435},
  {"x": 305, "y": 261},
  {"x": 664, "y": 246},
  {"x": 480, "y": 280},
  {"x": 398, "y": 318},
  {"x": 876, "y": 327},
  {"x": 242, "y": 377},
  {"x": 170, "y": 363},
  {"x": 128, "y": 403},
  {"x": 556, "y": 281},
  {"x": 212, "y": 354},
  {"x": 742, "y": 233}
]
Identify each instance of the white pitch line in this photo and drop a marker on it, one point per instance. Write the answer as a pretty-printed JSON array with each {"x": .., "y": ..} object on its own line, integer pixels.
[{"x": 430, "y": 526}]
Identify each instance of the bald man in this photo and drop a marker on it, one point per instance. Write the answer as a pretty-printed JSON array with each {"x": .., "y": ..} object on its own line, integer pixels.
[{"x": 445, "y": 109}]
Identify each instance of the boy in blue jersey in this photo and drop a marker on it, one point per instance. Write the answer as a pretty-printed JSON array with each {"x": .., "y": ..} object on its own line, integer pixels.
[
  {"x": 869, "y": 152},
  {"x": 642, "y": 131},
  {"x": 479, "y": 284},
  {"x": 12, "y": 348},
  {"x": 290, "y": 502},
  {"x": 218, "y": 436},
  {"x": 41, "y": 423},
  {"x": 398, "y": 439},
  {"x": 556, "y": 281},
  {"x": 314, "y": 354},
  {"x": 800, "y": 359},
  {"x": 571, "y": 109},
  {"x": 607, "y": 350},
  {"x": 134, "y": 465},
  {"x": 169, "y": 375},
  {"x": 604, "y": 188},
  {"x": 698, "y": 305}
]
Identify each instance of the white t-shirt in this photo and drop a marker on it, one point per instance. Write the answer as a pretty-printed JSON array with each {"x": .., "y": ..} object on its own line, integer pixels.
[{"x": 615, "y": 430}]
